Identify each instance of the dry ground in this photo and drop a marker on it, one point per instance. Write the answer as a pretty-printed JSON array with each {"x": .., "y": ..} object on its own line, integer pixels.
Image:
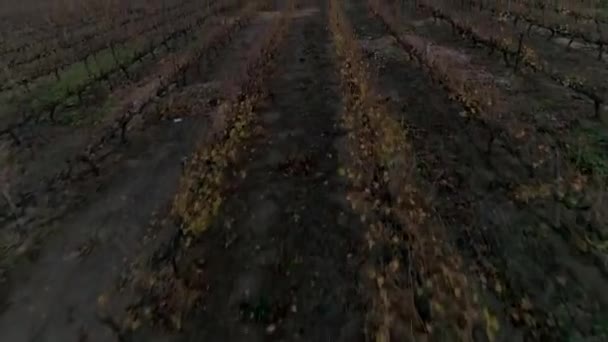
[{"x": 288, "y": 171}]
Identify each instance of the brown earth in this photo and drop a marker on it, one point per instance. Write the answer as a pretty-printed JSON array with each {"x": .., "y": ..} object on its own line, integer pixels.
[{"x": 227, "y": 214}]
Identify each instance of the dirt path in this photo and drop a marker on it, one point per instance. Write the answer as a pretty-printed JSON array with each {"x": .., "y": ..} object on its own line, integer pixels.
[{"x": 280, "y": 261}]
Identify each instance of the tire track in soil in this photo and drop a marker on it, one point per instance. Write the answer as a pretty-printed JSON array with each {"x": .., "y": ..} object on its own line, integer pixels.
[
  {"x": 280, "y": 262},
  {"x": 548, "y": 291},
  {"x": 59, "y": 285}
]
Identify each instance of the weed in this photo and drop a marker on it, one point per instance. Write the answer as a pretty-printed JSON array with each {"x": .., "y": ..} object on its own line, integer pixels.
[
  {"x": 54, "y": 89},
  {"x": 260, "y": 311},
  {"x": 599, "y": 332},
  {"x": 589, "y": 153},
  {"x": 77, "y": 74}
]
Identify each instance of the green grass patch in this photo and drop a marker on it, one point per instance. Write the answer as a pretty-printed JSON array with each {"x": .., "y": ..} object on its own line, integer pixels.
[
  {"x": 589, "y": 152},
  {"x": 76, "y": 75},
  {"x": 599, "y": 332},
  {"x": 53, "y": 90}
]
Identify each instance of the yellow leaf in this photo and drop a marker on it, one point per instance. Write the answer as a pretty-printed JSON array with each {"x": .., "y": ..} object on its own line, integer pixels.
[
  {"x": 498, "y": 287},
  {"x": 492, "y": 325}
]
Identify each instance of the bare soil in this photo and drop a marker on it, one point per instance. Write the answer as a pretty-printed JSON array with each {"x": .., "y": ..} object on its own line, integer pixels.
[{"x": 103, "y": 256}]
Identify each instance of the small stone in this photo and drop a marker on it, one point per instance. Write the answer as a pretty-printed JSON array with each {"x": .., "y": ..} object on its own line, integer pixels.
[{"x": 271, "y": 329}]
